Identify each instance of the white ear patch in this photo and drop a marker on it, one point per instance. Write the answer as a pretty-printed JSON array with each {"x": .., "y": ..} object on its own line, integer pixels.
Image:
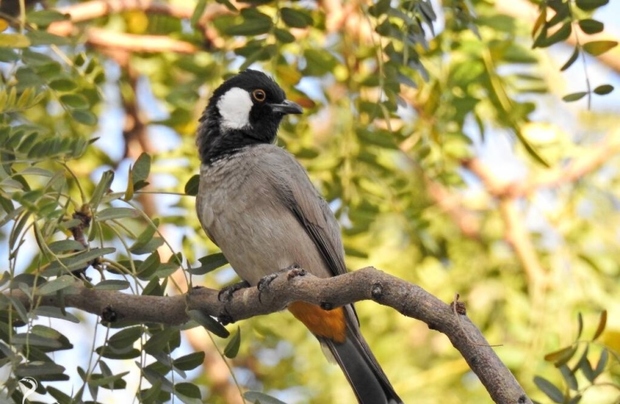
[{"x": 234, "y": 107}]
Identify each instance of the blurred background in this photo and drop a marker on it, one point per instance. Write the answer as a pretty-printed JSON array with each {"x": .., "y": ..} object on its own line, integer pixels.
[{"x": 468, "y": 147}]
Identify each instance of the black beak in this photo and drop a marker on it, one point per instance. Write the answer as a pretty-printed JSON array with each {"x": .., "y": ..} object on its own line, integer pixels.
[{"x": 287, "y": 107}]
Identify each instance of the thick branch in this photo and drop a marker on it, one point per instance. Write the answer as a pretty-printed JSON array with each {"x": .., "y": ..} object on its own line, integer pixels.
[{"x": 365, "y": 284}]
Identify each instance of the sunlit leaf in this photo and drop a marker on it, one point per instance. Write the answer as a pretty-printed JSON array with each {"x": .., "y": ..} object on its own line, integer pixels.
[
  {"x": 596, "y": 48},
  {"x": 14, "y": 40},
  {"x": 602, "y": 322}
]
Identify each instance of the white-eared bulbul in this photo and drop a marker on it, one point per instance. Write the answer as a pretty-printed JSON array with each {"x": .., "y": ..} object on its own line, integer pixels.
[{"x": 258, "y": 205}]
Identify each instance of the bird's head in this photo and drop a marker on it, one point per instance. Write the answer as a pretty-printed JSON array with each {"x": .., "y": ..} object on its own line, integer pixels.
[{"x": 245, "y": 110}]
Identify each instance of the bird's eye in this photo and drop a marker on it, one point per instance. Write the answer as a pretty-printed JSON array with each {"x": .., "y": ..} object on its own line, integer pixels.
[{"x": 259, "y": 95}]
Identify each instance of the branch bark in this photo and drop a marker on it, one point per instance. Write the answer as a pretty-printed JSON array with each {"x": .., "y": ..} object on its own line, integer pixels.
[{"x": 364, "y": 284}]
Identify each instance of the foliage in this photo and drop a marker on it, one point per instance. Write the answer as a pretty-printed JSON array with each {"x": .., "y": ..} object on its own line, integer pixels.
[
  {"x": 98, "y": 165},
  {"x": 561, "y": 358}
]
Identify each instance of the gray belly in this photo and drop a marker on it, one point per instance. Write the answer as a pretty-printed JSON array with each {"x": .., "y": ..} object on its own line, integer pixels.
[{"x": 257, "y": 233}]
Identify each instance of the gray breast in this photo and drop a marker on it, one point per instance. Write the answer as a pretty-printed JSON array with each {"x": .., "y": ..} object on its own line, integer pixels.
[{"x": 243, "y": 215}]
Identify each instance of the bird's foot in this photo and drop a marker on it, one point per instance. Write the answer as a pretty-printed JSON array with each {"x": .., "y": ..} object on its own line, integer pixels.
[
  {"x": 291, "y": 272},
  {"x": 227, "y": 293}
]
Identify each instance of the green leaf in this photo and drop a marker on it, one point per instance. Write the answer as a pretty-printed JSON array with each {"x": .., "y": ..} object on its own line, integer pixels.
[
  {"x": 147, "y": 248},
  {"x": 585, "y": 367},
  {"x": 84, "y": 117},
  {"x": 209, "y": 323},
  {"x": 38, "y": 38},
  {"x": 114, "y": 382},
  {"x": 8, "y": 55},
  {"x": 232, "y": 348},
  {"x": 62, "y": 85},
  {"x": 602, "y": 362},
  {"x": 75, "y": 101},
  {"x": 549, "y": 389},
  {"x": 64, "y": 246},
  {"x": 189, "y": 390},
  {"x": 162, "y": 341},
  {"x": 579, "y": 325},
  {"x": 319, "y": 62},
  {"x": 560, "y": 35},
  {"x": 379, "y": 8},
  {"x": 125, "y": 337},
  {"x": 295, "y": 18},
  {"x": 604, "y": 89},
  {"x": 118, "y": 353},
  {"x": 78, "y": 261},
  {"x": 43, "y": 18},
  {"x": 102, "y": 188},
  {"x": 191, "y": 187},
  {"x": 590, "y": 26},
  {"x": 141, "y": 170},
  {"x": 55, "y": 312},
  {"x": 602, "y": 322},
  {"x": 149, "y": 267},
  {"x": 569, "y": 377},
  {"x": 14, "y": 41},
  {"x": 574, "y": 96},
  {"x": 228, "y": 4},
  {"x": 59, "y": 396},
  {"x": 56, "y": 285},
  {"x": 209, "y": 263},
  {"x": 254, "y": 23},
  {"x": 262, "y": 398},
  {"x": 28, "y": 339},
  {"x": 112, "y": 284},
  {"x": 116, "y": 213},
  {"x": 38, "y": 369},
  {"x": 562, "y": 356},
  {"x": 596, "y": 48},
  {"x": 189, "y": 362},
  {"x": 571, "y": 60},
  {"x": 283, "y": 35},
  {"x": 588, "y": 5},
  {"x": 576, "y": 399},
  {"x": 199, "y": 10}
]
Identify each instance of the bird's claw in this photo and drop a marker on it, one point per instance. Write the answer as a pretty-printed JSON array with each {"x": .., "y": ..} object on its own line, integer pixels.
[
  {"x": 226, "y": 294},
  {"x": 291, "y": 272}
]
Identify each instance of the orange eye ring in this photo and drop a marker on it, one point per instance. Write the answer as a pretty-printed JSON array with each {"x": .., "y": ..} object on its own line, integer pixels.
[{"x": 259, "y": 95}]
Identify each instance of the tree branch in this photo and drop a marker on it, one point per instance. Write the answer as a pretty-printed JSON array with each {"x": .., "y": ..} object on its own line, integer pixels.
[
  {"x": 364, "y": 284},
  {"x": 587, "y": 162}
]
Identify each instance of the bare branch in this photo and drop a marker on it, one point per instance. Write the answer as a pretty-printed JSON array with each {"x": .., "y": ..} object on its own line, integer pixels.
[
  {"x": 587, "y": 162},
  {"x": 364, "y": 284}
]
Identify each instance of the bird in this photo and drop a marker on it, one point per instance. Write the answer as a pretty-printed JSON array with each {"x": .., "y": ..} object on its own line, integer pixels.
[{"x": 256, "y": 202}]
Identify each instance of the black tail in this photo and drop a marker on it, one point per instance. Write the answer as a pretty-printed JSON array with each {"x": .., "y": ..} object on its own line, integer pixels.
[{"x": 369, "y": 382}]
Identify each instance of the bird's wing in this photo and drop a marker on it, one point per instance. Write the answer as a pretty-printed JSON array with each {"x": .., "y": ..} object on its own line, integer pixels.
[{"x": 290, "y": 181}]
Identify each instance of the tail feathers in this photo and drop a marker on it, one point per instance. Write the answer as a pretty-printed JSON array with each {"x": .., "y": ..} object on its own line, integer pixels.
[{"x": 369, "y": 382}]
